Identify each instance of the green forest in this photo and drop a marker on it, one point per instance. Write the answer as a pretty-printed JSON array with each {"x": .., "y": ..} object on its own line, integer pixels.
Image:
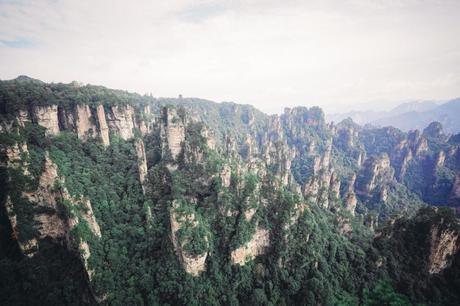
[{"x": 237, "y": 174}]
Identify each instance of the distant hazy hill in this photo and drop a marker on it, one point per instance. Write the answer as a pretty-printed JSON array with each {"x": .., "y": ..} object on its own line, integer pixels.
[{"x": 409, "y": 116}]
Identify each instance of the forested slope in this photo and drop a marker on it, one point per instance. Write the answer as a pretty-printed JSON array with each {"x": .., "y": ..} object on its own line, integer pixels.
[{"x": 115, "y": 198}]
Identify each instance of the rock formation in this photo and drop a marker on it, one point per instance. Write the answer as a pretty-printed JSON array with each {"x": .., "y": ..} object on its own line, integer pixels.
[
  {"x": 443, "y": 245},
  {"x": 103, "y": 127},
  {"x": 172, "y": 131},
  {"x": 47, "y": 116},
  {"x": 193, "y": 265},
  {"x": 258, "y": 245},
  {"x": 142, "y": 160}
]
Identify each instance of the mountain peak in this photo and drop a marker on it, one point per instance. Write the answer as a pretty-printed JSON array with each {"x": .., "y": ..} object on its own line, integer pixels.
[{"x": 25, "y": 78}]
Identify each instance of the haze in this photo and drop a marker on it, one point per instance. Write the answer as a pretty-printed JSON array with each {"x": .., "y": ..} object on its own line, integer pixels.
[{"x": 340, "y": 55}]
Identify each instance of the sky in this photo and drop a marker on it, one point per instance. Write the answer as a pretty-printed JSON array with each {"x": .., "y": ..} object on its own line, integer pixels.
[{"x": 339, "y": 55}]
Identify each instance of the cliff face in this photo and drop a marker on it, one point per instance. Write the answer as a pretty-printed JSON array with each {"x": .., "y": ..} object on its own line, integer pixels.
[
  {"x": 258, "y": 245},
  {"x": 444, "y": 244},
  {"x": 173, "y": 132},
  {"x": 52, "y": 206},
  {"x": 295, "y": 139},
  {"x": 376, "y": 172},
  {"x": 217, "y": 185},
  {"x": 411, "y": 147},
  {"x": 102, "y": 124},
  {"x": 434, "y": 250},
  {"x": 89, "y": 121},
  {"x": 142, "y": 160},
  {"x": 121, "y": 121},
  {"x": 47, "y": 116},
  {"x": 84, "y": 122},
  {"x": 192, "y": 264}
]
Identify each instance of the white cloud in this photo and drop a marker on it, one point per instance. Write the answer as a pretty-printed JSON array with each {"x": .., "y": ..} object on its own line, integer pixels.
[{"x": 335, "y": 54}]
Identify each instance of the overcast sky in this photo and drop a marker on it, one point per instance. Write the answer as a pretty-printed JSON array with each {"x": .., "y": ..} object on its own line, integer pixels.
[{"x": 340, "y": 55}]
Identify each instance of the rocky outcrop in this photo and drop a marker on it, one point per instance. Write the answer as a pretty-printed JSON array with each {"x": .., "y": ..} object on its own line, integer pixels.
[
  {"x": 102, "y": 123},
  {"x": 120, "y": 119},
  {"x": 444, "y": 244},
  {"x": 142, "y": 161},
  {"x": 47, "y": 117},
  {"x": 410, "y": 147},
  {"x": 434, "y": 130},
  {"x": 258, "y": 245},
  {"x": 440, "y": 159},
  {"x": 210, "y": 137},
  {"x": 88, "y": 121},
  {"x": 226, "y": 175},
  {"x": 376, "y": 173},
  {"x": 350, "y": 199},
  {"x": 17, "y": 157},
  {"x": 193, "y": 265},
  {"x": 55, "y": 213},
  {"x": 275, "y": 152},
  {"x": 172, "y": 131},
  {"x": 85, "y": 124}
]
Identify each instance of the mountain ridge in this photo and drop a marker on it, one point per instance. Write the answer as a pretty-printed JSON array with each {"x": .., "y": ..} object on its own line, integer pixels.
[
  {"x": 409, "y": 116},
  {"x": 190, "y": 195}
]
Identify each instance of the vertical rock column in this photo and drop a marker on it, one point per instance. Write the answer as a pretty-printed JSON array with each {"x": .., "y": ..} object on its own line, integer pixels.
[
  {"x": 84, "y": 124},
  {"x": 103, "y": 127},
  {"x": 142, "y": 161},
  {"x": 172, "y": 134}
]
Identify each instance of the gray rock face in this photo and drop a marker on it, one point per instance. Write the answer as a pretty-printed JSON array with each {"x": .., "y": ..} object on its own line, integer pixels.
[
  {"x": 121, "y": 120},
  {"x": 47, "y": 117},
  {"x": 172, "y": 131},
  {"x": 142, "y": 161},
  {"x": 258, "y": 245},
  {"x": 193, "y": 265},
  {"x": 444, "y": 244},
  {"x": 103, "y": 127},
  {"x": 49, "y": 194}
]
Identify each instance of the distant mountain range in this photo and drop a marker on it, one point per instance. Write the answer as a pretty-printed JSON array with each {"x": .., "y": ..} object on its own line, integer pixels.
[{"x": 409, "y": 116}]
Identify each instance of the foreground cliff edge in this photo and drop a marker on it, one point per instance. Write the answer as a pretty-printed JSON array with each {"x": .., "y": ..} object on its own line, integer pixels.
[{"x": 115, "y": 198}]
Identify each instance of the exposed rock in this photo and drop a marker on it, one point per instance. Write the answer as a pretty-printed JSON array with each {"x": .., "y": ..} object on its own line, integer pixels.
[
  {"x": 88, "y": 215},
  {"x": 48, "y": 221},
  {"x": 335, "y": 187},
  {"x": 434, "y": 130},
  {"x": 103, "y": 127},
  {"x": 146, "y": 120},
  {"x": 142, "y": 161},
  {"x": 344, "y": 225},
  {"x": 405, "y": 163},
  {"x": 193, "y": 265},
  {"x": 210, "y": 138},
  {"x": 121, "y": 121},
  {"x": 14, "y": 157},
  {"x": 384, "y": 194},
  {"x": 444, "y": 244},
  {"x": 440, "y": 159},
  {"x": 249, "y": 147},
  {"x": 27, "y": 247},
  {"x": 350, "y": 202},
  {"x": 173, "y": 131},
  {"x": 225, "y": 175},
  {"x": 376, "y": 172},
  {"x": 47, "y": 116},
  {"x": 249, "y": 213},
  {"x": 258, "y": 245},
  {"x": 84, "y": 123}
]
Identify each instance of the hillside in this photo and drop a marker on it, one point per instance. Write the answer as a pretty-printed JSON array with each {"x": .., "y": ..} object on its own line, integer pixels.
[{"x": 115, "y": 198}]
